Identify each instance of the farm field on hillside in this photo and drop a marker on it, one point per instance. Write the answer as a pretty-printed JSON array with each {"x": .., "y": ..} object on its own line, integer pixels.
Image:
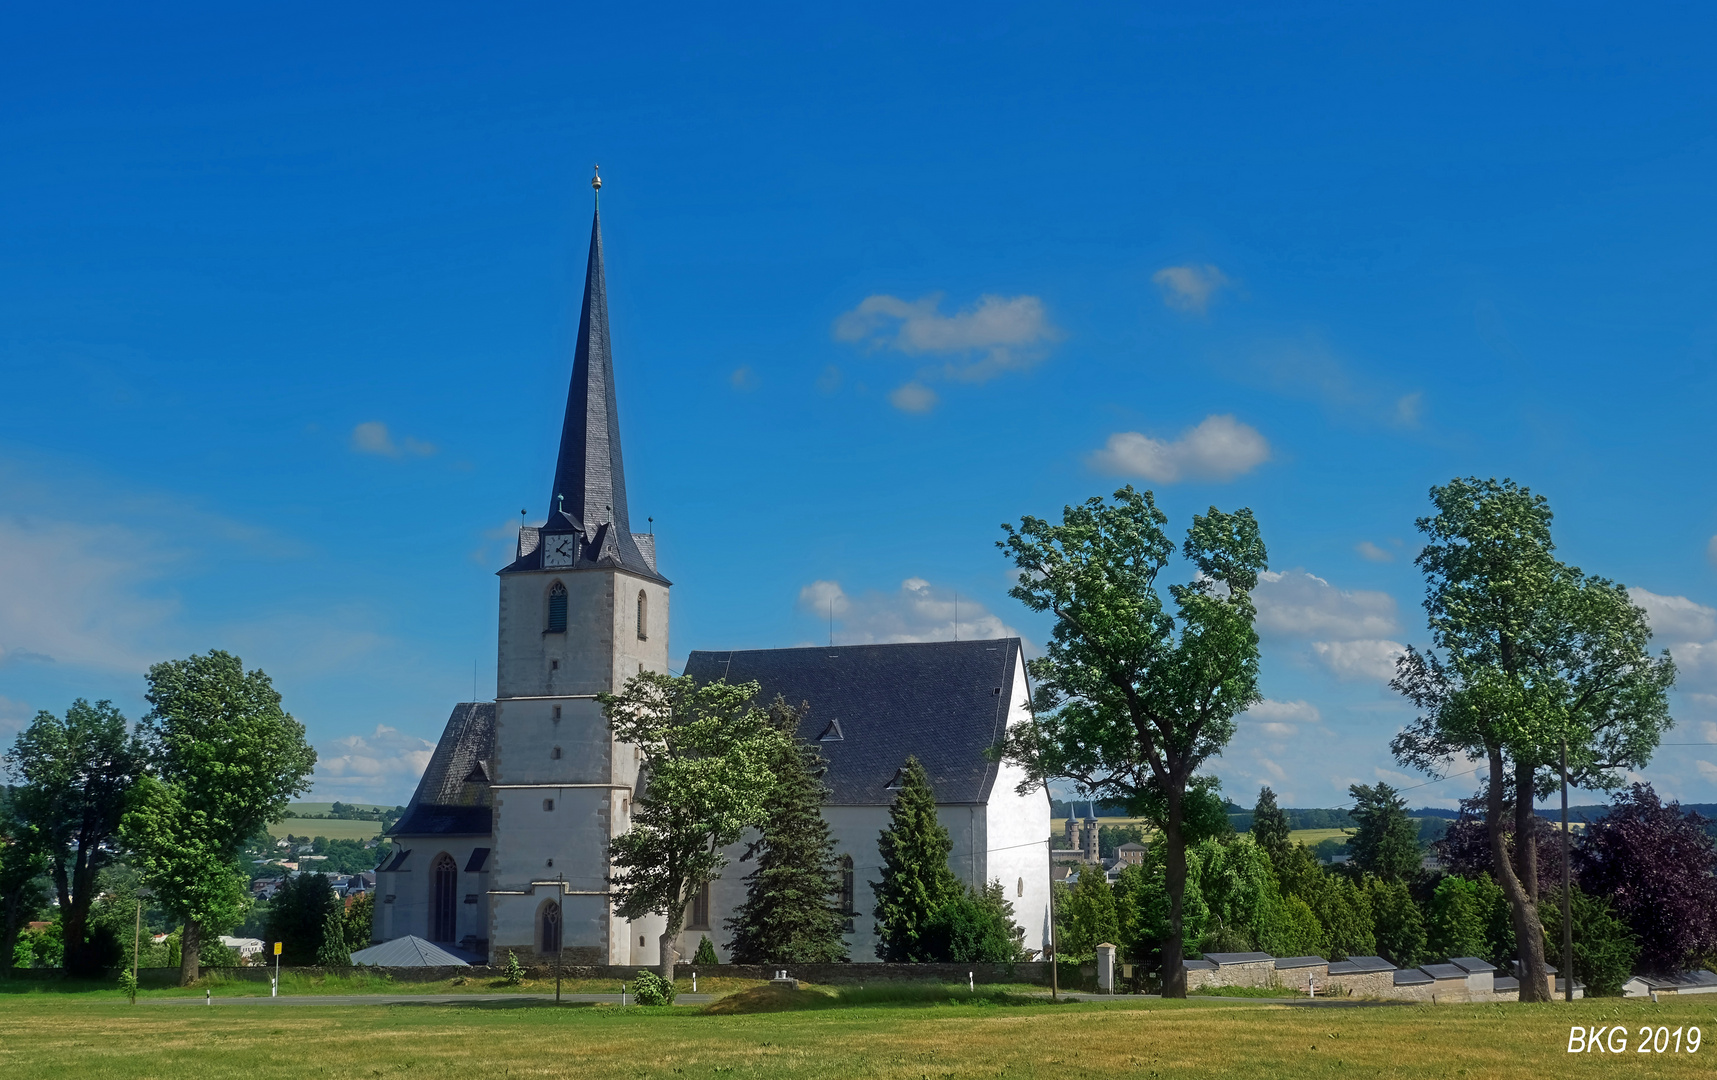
[
  {"x": 332, "y": 828},
  {"x": 54, "y": 1037},
  {"x": 1309, "y": 837}
]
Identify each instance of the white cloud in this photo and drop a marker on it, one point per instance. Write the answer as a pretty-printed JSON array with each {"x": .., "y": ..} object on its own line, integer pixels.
[
  {"x": 1363, "y": 659},
  {"x": 917, "y": 611},
  {"x": 1372, "y": 553},
  {"x": 14, "y": 715},
  {"x": 997, "y": 334},
  {"x": 1305, "y": 605},
  {"x": 1279, "y": 718},
  {"x": 80, "y": 595},
  {"x": 1189, "y": 288},
  {"x": 380, "y": 761},
  {"x": 372, "y": 437},
  {"x": 913, "y": 397},
  {"x": 1676, "y": 617},
  {"x": 1219, "y": 448},
  {"x": 1706, "y": 769}
]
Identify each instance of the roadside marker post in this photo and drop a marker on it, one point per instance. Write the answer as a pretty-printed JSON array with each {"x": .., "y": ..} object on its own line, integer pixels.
[{"x": 274, "y": 990}]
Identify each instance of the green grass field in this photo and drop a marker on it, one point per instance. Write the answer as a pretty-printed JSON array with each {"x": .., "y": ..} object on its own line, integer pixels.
[
  {"x": 332, "y": 828},
  {"x": 57, "y": 1035},
  {"x": 308, "y": 808},
  {"x": 1309, "y": 837}
]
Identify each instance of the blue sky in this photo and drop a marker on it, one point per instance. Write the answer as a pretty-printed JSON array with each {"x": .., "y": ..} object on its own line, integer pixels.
[{"x": 287, "y": 301}]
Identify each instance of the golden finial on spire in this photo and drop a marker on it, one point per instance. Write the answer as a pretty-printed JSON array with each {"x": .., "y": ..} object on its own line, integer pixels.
[{"x": 596, "y": 179}]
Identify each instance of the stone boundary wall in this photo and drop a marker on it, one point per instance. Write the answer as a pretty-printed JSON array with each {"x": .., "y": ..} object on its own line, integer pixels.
[
  {"x": 1260, "y": 974},
  {"x": 1032, "y": 973},
  {"x": 1365, "y": 983}
]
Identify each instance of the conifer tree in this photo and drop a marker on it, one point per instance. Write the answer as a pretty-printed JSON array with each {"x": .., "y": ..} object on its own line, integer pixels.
[
  {"x": 792, "y": 912},
  {"x": 916, "y": 880},
  {"x": 1270, "y": 828},
  {"x": 333, "y": 951}
]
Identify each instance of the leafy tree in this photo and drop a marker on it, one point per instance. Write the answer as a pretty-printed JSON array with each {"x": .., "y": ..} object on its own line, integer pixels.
[
  {"x": 1087, "y": 918},
  {"x": 976, "y": 927},
  {"x": 1658, "y": 869},
  {"x": 299, "y": 917},
  {"x": 76, "y": 774},
  {"x": 1465, "y": 847},
  {"x": 1293, "y": 929},
  {"x": 1239, "y": 886},
  {"x": 225, "y": 759},
  {"x": 1604, "y": 948},
  {"x": 359, "y": 923},
  {"x": 1386, "y": 842},
  {"x": 792, "y": 912},
  {"x": 22, "y": 864},
  {"x": 332, "y": 952},
  {"x": 1270, "y": 827},
  {"x": 916, "y": 880},
  {"x": 1456, "y": 923},
  {"x": 1400, "y": 928},
  {"x": 1528, "y": 655},
  {"x": 1342, "y": 908},
  {"x": 1110, "y": 838},
  {"x": 1133, "y": 698},
  {"x": 708, "y": 757}
]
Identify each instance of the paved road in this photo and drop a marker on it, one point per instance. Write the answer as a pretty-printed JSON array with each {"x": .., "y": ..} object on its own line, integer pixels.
[{"x": 492, "y": 1001}]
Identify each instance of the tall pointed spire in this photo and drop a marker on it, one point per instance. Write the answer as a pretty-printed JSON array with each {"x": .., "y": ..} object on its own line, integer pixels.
[{"x": 589, "y": 492}]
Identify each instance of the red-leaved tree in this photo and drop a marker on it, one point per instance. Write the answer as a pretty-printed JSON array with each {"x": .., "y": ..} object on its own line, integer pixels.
[{"x": 1658, "y": 869}]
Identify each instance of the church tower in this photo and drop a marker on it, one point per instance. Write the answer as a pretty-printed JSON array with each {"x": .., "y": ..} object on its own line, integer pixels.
[{"x": 582, "y": 609}]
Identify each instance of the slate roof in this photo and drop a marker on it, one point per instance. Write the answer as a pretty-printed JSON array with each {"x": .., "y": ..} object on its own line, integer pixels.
[
  {"x": 1412, "y": 977},
  {"x": 1287, "y": 962},
  {"x": 945, "y": 702},
  {"x": 407, "y": 951},
  {"x": 1504, "y": 983},
  {"x": 1360, "y": 965},
  {"x": 1442, "y": 971},
  {"x": 1199, "y": 965},
  {"x": 588, "y": 496},
  {"x": 1221, "y": 959},
  {"x": 452, "y": 798},
  {"x": 1682, "y": 981},
  {"x": 1472, "y": 964}
]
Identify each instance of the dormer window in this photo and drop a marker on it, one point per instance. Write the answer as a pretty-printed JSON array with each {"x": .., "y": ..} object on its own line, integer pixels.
[
  {"x": 643, "y": 616},
  {"x": 556, "y": 609}
]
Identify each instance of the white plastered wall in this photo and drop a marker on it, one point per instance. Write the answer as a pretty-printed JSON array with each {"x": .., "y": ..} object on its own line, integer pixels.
[{"x": 402, "y": 896}]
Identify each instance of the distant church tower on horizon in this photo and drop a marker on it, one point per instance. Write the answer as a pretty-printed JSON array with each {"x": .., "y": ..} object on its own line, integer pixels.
[{"x": 582, "y": 609}]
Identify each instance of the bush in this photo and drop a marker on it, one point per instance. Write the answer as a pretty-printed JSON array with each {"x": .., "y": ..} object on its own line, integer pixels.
[
  {"x": 976, "y": 927},
  {"x": 515, "y": 971},
  {"x": 648, "y": 988},
  {"x": 1604, "y": 948},
  {"x": 128, "y": 984},
  {"x": 705, "y": 955}
]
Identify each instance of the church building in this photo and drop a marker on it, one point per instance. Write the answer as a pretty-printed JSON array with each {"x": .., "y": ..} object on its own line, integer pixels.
[{"x": 504, "y": 844}]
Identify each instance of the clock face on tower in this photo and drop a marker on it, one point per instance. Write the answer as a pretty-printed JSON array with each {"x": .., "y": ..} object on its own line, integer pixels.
[{"x": 560, "y": 550}]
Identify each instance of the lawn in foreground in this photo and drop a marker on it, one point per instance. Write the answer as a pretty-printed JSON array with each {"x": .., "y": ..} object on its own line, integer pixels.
[{"x": 41, "y": 1036}]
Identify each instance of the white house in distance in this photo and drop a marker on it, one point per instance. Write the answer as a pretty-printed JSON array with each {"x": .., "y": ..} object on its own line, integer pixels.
[{"x": 504, "y": 845}]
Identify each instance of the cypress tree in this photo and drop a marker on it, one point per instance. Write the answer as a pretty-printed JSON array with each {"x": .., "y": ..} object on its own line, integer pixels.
[
  {"x": 1270, "y": 828},
  {"x": 916, "y": 881},
  {"x": 792, "y": 912}
]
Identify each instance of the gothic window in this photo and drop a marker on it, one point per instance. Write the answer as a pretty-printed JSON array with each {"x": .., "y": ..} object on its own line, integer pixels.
[
  {"x": 550, "y": 932},
  {"x": 697, "y": 912},
  {"x": 443, "y": 898},
  {"x": 848, "y": 898},
  {"x": 643, "y": 616},
  {"x": 556, "y": 609}
]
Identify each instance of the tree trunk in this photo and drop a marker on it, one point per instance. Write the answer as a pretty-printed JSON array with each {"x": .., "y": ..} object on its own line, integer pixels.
[
  {"x": 1526, "y": 828},
  {"x": 190, "y": 953},
  {"x": 11, "y": 921},
  {"x": 670, "y": 951},
  {"x": 74, "y": 919},
  {"x": 1528, "y": 931},
  {"x": 1174, "y": 872}
]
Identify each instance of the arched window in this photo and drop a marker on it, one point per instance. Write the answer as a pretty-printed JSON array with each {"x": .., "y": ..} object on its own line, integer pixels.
[
  {"x": 443, "y": 898},
  {"x": 549, "y": 928},
  {"x": 643, "y": 616},
  {"x": 697, "y": 909},
  {"x": 848, "y": 899},
  {"x": 557, "y": 609}
]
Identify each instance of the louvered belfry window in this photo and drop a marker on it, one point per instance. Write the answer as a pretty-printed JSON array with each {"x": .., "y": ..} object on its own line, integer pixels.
[
  {"x": 643, "y": 616},
  {"x": 557, "y": 609}
]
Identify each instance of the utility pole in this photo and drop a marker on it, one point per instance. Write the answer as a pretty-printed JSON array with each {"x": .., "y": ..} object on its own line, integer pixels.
[
  {"x": 1567, "y": 885},
  {"x": 1054, "y": 945}
]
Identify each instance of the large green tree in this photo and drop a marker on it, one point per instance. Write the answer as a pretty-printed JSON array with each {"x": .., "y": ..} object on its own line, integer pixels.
[
  {"x": 1087, "y": 917},
  {"x": 298, "y": 918},
  {"x": 1270, "y": 828},
  {"x": 1527, "y": 655},
  {"x": 792, "y": 912},
  {"x": 1386, "y": 843},
  {"x": 916, "y": 881},
  {"x": 76, "y": 774},
  {"x": 22, "y": 864},
  {"x": 225, "y": 759},
  {"x": 1133, "y": 697},
  {"x": 709, "y": 756}
]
